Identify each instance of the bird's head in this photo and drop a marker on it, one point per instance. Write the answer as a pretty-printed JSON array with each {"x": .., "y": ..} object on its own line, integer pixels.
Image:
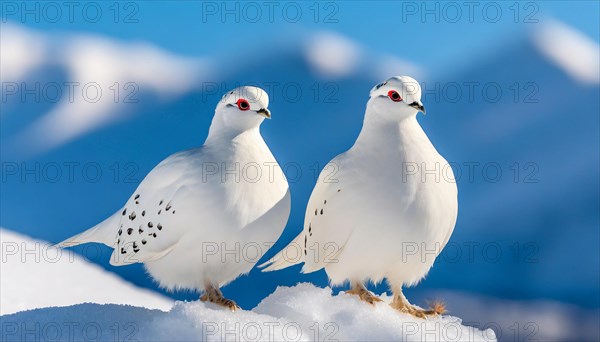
[
  {"x": 241, "y": 109},
  {"x": 396, "y": 98}
]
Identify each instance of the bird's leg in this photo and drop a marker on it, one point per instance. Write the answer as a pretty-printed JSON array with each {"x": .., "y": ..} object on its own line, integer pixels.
[
  {"x": 401, "y": 304},
  {"x": 364, "y": 294},
  {"x": 214, "y": 295}
]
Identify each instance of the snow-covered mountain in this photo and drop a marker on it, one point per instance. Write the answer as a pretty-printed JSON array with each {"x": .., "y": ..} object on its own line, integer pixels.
[
  {"x": 101, "y": 76},
  {"x": 540, "y": 213}
]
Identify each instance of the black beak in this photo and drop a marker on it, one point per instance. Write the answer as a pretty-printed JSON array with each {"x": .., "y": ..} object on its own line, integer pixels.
[
  {"x": 264, "y": 112},
  {"x": 418, "y": 106}
]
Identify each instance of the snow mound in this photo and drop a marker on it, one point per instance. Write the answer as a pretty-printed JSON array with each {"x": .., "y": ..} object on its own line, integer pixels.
[
  {"x": 300, "y": 313},
  {"x": 345, "y": 318},
  {"x": 35, "y": 275}
]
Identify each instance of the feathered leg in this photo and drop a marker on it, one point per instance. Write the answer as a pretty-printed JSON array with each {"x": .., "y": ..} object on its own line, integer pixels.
[
  {"x": 401, "y": 304},
  {"x": 214, "y": 295},
  {"x": 359, "y": 290}
]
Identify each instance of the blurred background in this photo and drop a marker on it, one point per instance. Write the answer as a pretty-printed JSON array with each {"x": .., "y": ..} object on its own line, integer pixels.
[{"x": 94, "y": 94}]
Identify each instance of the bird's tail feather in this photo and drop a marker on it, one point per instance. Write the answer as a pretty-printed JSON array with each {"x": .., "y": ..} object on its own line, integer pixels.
[
  {"x": 285, "y": 258},
  {"x": 103, "y": 232}
]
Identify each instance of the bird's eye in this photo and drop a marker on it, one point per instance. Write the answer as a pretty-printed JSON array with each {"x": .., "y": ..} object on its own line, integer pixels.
[
  {"x": 394, "y": 96},
  {"x": 243, "y": 104}
]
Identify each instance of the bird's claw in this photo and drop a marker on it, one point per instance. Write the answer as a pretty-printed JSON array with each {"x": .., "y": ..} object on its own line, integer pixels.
[
  {"x": 217, "y": 298},
  {"x": 228, "y": 303},
  {"x": 437, "y": 308},
  {"x": 364, "y": 295}
]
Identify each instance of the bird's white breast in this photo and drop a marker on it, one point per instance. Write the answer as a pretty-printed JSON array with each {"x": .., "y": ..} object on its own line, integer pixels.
[
  {"x": 386, "y": 215},
  {"x": 229, "y": 211}
]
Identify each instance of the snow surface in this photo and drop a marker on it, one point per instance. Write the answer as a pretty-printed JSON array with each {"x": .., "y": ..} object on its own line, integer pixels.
[
  {"x": 40, "y": 282},
  {"x": 33, "y": 274},
  {"x": 300, "y": 313}
]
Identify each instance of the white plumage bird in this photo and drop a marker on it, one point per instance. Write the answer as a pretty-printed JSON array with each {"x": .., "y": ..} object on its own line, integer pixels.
[
  {"x": 383, "y": 209},
  {"x": 204, "y": 216}
]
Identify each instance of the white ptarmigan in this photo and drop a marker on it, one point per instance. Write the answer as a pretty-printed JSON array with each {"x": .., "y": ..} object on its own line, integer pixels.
[
  {"x": 383, "y": 209},
  {"x": 192, "y": 218}
]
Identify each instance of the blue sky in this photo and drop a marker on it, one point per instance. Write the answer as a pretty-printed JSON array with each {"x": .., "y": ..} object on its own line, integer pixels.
[{"x": 431, "y": 34}]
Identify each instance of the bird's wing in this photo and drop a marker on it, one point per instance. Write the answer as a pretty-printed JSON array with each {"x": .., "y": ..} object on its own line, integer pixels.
[
  {"x": 326, "y": 229},
  {"x": 324, "y": 235},
  {"x": 150, "y": 224}
]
